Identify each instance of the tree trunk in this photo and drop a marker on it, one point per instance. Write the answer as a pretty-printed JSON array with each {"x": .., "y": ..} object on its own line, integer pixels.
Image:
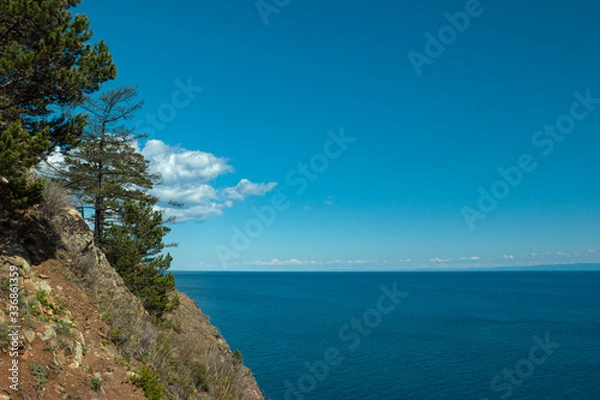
[{"x": 99, "y": 206}]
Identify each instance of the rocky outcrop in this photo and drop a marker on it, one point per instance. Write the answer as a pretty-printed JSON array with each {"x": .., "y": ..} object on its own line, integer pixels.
[{"x": 83, "y": 333}]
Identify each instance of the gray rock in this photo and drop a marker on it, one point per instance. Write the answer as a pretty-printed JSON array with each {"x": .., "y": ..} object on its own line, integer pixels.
[
  {"x": 42, "y": 285},
  {"x": 22, "y": 265},
  {"x": 49, "y": 334},
  {"x": 29, "y": 335}
]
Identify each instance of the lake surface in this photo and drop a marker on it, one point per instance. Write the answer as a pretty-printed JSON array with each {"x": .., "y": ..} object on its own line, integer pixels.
[{"x": 405, "y": 335}]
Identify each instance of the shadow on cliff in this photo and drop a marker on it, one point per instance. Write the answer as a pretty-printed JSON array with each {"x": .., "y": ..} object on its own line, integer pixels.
[{"x": 31, "y": 235}]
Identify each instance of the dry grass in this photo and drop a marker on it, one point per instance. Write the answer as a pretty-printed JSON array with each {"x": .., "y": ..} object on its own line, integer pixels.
[
  {"x": 189, "y": 365},
  {"x": 56, "y": 199},
  {"x": 189, "y": 359}
]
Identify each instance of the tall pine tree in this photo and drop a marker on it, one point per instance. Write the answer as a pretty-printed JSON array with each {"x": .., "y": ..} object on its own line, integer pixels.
[
  {"x": 104, "y": 169},
  {"x": 46, "y": 63}
]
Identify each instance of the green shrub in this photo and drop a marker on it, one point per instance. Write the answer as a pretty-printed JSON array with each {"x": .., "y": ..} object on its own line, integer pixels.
[
  {"x": 238, "y": 356},
  {"x": 134, "y": 248},
  {"x": 41, "y": 375},
  {"x": 63, "y": 326},
  {"x": 4, "y": 338},
  {"x": 148, "y": 382},
  {"x": 96, "y": 384},
  {"x": 200, "y": 376},
  {"x": 42, "y": 297}
]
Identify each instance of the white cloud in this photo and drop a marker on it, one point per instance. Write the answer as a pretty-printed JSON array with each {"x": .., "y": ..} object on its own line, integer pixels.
[
  {"x": 474, "y": 262},
  {"x": 246, "y": 188},
  {"x": 197, "y": 213},
  {"x": 186, "y": 176},
  {"x": 180, "y": 165},
  {"x": 272, "y": 262},
  {"x": 188, "y": 194},
  {"x": 328, "y": 201},
  {"x": 295, "y": 261},
  {"x": 473, "y": 258}
]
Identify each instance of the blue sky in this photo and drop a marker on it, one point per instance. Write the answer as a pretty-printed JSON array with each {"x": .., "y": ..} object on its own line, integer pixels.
[{"x": 424, "y": 139}]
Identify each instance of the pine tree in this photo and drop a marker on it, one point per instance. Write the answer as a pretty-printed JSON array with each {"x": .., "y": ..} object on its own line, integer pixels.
[
  {"x": 104, "y": 169},
  {"x": 18, "y": 154},
  {"x": 46, "y": 64},
  {"x": 134, "y": 248}
]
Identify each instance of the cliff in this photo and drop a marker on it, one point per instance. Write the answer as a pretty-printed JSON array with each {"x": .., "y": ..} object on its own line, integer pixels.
[{"x": 79, "y": 333}]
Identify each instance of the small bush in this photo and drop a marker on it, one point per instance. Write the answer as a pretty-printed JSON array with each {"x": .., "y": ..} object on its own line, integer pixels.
[
  {"x": 4, "y": 338},
  {"x": 148, "y": 382},
  {"x": 96, "y": 384},
  {"x": 63, "y": 326},
  {"x": 42, "y": 297},
  {"x": 238, "y": 356},
  {"x": 5, "y": 287},
  {"x": 200, "y": 376},
  {"x": 36, "y": 369},
  {"x": 41, "y": 375}
]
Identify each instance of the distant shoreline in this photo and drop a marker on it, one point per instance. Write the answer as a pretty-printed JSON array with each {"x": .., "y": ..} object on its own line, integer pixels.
[{"x": 591, "y": 267}]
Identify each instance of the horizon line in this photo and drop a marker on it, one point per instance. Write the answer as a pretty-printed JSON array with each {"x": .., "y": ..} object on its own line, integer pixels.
[{"x": 587, "y": 267}]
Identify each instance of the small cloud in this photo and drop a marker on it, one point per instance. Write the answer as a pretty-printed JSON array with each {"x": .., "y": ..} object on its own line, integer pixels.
[
  {"x": 439, "y": 260},
  {"x": 306, "y": 208},
  {"x": 508, "y": 257},
  {"x": 246, "y": 188},
  {"x": 328, "y": 201}
]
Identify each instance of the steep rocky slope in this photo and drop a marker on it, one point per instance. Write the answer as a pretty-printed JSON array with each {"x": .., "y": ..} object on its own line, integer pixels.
[{"x": 83, "y": 335}]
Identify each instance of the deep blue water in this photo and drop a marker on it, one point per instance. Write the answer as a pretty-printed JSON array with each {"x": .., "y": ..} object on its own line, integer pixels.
[{"x": 454, "y": 336}]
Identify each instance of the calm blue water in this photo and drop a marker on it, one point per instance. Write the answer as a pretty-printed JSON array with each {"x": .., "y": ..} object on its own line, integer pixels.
[{"x": 454, "y": 336}]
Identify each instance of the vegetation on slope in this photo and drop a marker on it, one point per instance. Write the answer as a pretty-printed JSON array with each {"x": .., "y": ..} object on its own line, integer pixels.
[{"x": 49, "y": 70}]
